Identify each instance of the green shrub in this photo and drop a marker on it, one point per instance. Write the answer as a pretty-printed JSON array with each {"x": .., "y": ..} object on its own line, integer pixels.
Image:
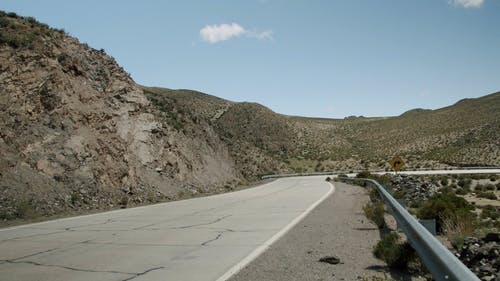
[
  {"x": 123, "y": 202},
  {"x": 464, "y": 183},
  {"x": 398, "y": 194},
  {"x": 444, "y": 205},
  {"x": 490, "y": 187},
  {"x": 375, "y": 213},
  {"x": 486, "y": 194},
  {"x": 25, "y": 209},
  {"x": 32, "y": 21},
  {"x": 74, "y": 198},
  {"x": 393, "y": 252},
  {"x": 382, "y": 179},
  {"x": 364, "y": 175},
  {"x": 374, "y": 195},
  {"x": 415, "y": 204},
  {"x": 480, "y": 187},
  {"x": 4, "y": 22},
  {"x": 490, "y": 212},
  {"x": 444, "y": 181},
  {"x": 12, "y": 15},
  {"x": 447, "y": 189}
]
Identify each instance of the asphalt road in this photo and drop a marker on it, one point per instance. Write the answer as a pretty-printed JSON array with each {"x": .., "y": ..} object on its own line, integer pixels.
[{"x": 199, "y": 239}]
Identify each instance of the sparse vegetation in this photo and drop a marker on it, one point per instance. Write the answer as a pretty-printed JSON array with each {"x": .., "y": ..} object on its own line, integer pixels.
[
  {"x": 490, "y": 212},
  {"x": 252, "y": 138},
  {"x": 123, "y": 202},
  {"x": 464, "y": 183},
  {"x": 443, "y": 206},
  {"x": 462, "y": 191},
  {"x": 375, "y": 213},
  {"x": 486, "y": 194},
  {"x": 25, "y": 209},
  {"x": 490, "y": 187},
  {"x": 392, "y": 251},
  {"x": 168, "y": 108},
  {"x": 444, "y": 181},
  {"x": 456, "y": 228}
]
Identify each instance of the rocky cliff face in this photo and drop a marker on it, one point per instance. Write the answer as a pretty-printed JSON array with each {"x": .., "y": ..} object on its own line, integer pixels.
[{"x": 77, "y": 132}]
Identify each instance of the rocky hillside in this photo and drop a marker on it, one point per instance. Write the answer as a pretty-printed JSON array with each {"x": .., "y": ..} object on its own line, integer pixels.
[
  {"x": 261, "y": 141},
  {"x": 78, "y": 133}
]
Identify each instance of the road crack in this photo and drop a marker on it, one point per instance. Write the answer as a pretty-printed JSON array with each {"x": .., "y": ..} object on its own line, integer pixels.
[
  {"x": 32, "y": 255},
  {"x": 203, "y": 224},
  {"x": 219, "y": 235},
  {"x": 33, "y": 235},
  {"x": 69, "y": 267},
  {"x": 144, "y": 272}
]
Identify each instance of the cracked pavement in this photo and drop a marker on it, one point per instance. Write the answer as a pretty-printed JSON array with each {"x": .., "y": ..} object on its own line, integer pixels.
[{"x": 196, "y": 239}]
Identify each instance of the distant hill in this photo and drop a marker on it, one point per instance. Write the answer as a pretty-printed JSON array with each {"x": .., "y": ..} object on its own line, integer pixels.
[
  {"x": 464, "y": 134},
  {"x": 79, "y": 134},
  {"x": 415, "y": 111}
]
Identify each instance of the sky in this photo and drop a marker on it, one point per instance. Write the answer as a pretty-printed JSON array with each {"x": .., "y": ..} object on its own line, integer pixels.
[{"x": 316, "y": 58}]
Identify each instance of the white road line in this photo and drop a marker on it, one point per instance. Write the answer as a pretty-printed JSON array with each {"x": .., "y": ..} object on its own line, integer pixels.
[{"x": 262, "y": 248}]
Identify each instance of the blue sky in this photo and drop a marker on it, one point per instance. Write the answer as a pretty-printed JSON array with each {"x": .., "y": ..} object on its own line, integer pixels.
[{"x": 298, "y": 57}]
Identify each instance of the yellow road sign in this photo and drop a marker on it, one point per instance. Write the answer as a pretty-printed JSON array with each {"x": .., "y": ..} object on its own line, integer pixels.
[{"x": 397, "y": 163}]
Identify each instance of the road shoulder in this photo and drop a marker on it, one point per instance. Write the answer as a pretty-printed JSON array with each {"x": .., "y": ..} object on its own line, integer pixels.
[{"x": 337, "y": 227}]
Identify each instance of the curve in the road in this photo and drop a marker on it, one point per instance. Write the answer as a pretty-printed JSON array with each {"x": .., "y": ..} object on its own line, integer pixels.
[{"x": 196, "y": 239}]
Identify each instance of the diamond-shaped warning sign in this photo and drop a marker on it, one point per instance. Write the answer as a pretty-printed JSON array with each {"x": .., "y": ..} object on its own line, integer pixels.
[{"x": 397, "y": 163}]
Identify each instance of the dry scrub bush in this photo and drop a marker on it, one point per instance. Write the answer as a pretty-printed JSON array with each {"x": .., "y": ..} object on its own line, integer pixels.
[
  {"x": 375, "y": 213},
  {"x": 456, "y": 228}
]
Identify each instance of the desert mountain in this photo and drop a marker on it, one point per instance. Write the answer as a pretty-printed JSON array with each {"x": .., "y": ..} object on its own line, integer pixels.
[{"x": 79, "y": 133}]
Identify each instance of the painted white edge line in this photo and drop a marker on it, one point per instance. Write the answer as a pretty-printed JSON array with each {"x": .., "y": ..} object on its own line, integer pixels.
[{"x": 262, "y": 248}]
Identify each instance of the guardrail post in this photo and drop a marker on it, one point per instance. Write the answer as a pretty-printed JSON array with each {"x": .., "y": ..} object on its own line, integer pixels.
[{"x": 430, "y": 225}]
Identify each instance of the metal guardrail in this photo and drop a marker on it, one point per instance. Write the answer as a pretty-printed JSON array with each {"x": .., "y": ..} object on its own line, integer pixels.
[
  {"x": 442, "y": 264},
  {"x": 372, "y": 171}
]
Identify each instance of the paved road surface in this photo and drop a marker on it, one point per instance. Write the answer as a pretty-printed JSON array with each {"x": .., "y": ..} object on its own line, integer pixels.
[{"x": 197, "y": 239}]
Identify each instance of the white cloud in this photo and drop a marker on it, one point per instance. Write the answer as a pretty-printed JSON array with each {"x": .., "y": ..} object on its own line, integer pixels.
[
  {"x": 264, "y": 35},
  {"x": 217, "y": 33},
  {"x": 467, "y": 3}
]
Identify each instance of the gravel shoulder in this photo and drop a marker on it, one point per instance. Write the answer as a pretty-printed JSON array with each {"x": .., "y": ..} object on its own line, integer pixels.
[{"x": 337, "y": 227}]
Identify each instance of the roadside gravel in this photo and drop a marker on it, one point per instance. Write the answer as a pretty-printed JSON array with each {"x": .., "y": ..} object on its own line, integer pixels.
[{"x": 337, "y": 227}]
